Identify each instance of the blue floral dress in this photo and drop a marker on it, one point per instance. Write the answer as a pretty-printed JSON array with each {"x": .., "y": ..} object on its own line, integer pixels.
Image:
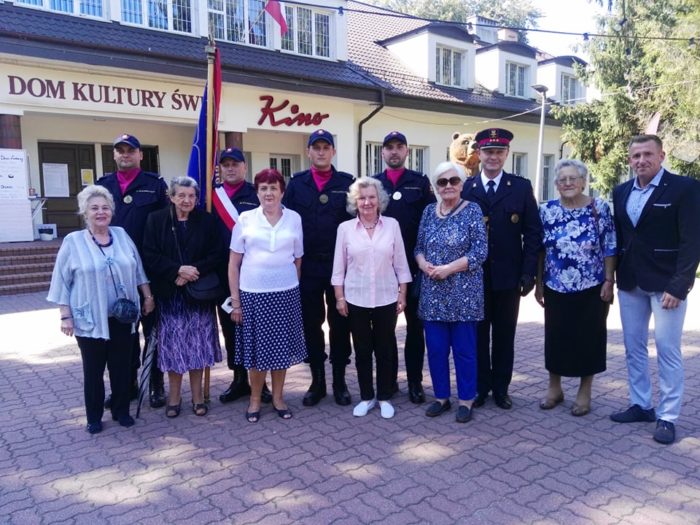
[
  {"x": 460, "y": 297},
  {"x": 576, "y": 242}
]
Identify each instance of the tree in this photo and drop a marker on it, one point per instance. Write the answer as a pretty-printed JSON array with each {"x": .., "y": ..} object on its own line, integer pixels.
[
  {"x": 646, "y": 82},
  {"x": 511, "y": 13}
]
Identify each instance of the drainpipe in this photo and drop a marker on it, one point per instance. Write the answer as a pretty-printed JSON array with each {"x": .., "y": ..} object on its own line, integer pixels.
[{"x": 359, "y": 131}]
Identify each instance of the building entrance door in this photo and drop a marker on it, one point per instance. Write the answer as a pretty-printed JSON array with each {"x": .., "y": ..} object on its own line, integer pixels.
[{"x": 55, "y": 160}]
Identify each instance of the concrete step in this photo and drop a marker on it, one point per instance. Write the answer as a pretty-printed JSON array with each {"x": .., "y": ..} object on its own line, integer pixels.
[
  {"x": 25, "y": 260},
  {"x": 16, "y": 289},
  {"x": 26, "y": 278},
  {"x": 20, "y": 269}
]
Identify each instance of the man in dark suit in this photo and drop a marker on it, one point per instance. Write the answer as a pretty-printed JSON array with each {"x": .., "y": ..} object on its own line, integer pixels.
[
  {"x": 319, "y": 196},
  {"x": 409, "y": 193},
  {"x": 231, "y": 198},
  {"x": 657, "y": 215},
  {"x": 136, "y": 194},
  {"x": 514, "y": 242}
]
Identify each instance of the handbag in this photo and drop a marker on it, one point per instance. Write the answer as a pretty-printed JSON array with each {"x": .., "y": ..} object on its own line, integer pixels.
[
  {"x": 123, "y": 310},
  {"x": 208, "y": 288}
]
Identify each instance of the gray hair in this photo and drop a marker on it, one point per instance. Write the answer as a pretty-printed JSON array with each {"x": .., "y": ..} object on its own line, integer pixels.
[
  {"x": 445, "y": 167},
  {"x": 579, "y": 166},
  {"x": 89, "y": 193},
  {"x": 361, "y": 184},
  {"x": 183, "y": 182}
]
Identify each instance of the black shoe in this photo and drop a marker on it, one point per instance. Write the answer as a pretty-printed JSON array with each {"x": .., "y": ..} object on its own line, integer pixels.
[
  {"x": 415, "y": 393},
  {"x": 94, "y": 428},
  {"x": 341, "y": 395},
  {"x": 236, "y": 390},
  {"x": 464, "y": 414},
  {"x": 317, "y": 390},
  {"x": 266, "y": 395},
  {"x": 436, "y": 408},
  {"x": 503, "y": 401},
  {"x": 634, "y": 414},
  {"x": 125, "y": 421},
  {"x": 479, "y": 400},
  {"x": 108, "y": 402},
  {"x": 156, "y": 397},
  {"x": 665, "y": 432}
]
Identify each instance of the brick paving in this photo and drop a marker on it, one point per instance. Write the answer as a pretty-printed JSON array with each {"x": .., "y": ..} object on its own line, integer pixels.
[{"x": 326, "y": 467}]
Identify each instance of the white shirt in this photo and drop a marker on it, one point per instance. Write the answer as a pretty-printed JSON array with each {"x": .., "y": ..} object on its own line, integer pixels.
[
  {"x": 268, "y": 251},
  {"x": 497, "y": 180},
  {"x": 370, "y": 268}
]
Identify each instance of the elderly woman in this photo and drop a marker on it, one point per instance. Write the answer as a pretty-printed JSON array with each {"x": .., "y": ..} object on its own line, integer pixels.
[
  {"x": 450, "y": 250},
  {"x": 94, "y": 268},
  {"x": 575, "y": 284},
  {"x": 370, "y": 278},
  {"x": 179, "y": 248},
  {"x": 263, "y": 272}
]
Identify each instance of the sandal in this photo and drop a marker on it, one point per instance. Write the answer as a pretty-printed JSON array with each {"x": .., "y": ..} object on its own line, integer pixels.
[
  {"x": 172, "y": 411},
  {"x": 284, "y": 413},
  {"x": 580, "y": 410},
  {"x": 200, "y": 409},
  {"x": 548, "y": 403},
  {"x": 253, "y": 417}
]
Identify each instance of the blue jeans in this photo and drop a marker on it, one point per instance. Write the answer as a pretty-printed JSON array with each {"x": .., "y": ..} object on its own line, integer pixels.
[
  {"x": 461, "y": 337},
  {"x": 636, "y": 308}
]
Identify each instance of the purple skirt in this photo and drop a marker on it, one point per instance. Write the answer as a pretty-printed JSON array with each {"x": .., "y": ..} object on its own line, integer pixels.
[
  {"x": 188, "y": 335},
  {"x": 272, "y": 334}
]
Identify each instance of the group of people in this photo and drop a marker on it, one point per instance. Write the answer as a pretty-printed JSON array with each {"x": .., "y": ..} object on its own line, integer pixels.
[{"x": 453, "y": 254}]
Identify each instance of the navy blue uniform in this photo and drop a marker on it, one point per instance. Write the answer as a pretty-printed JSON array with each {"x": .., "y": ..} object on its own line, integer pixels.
[
  {"x": 407, "y": 200},
  {"x": 321, "y": 212},
  {"x": 246, "y": 198},
  {"x": 514, "y": 242},
  {"x": 146, "y": 193}
]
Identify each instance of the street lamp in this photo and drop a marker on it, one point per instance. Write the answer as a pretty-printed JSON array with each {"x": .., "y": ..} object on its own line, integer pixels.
[{"x": 542, "y": 90}]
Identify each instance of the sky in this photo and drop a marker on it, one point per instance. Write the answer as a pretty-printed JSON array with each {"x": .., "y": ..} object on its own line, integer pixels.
[{"x": 564, "y": 15}]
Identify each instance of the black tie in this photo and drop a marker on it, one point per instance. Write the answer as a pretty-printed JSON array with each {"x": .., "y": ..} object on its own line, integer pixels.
[{"x": 491, "y": 191}]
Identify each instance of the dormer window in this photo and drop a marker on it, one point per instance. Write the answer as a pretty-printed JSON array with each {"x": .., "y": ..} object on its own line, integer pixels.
[
  {"x": 449, "y": 66},
  {"x": 516, "y": 79},
  {"x": 169, "y": 15},
  {"x": 309, "y": 31},
  {"x": 239, "y": 21},
  {"x": 568, "y": 89}
]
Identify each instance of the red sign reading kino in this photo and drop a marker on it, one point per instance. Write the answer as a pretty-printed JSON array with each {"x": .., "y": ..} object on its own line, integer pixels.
[{"x": 277, "y": 116}]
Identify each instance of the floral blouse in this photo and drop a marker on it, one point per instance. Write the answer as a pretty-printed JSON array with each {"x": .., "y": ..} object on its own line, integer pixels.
[
  {"x": 576, "y": 242},
  {"x": 460, "y": 297}
]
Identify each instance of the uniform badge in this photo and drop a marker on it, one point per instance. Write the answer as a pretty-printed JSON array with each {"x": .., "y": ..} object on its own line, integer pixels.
[
  {"x": 397, "y": 196},
  {"x": 128, "y": 199},
  {"x": 323, "y": 198},
  {"x": 515, "y": 218}
]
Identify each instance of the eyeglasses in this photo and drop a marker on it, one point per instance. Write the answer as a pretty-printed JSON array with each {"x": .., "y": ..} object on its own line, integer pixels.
[
  {"x": 454, "y": 181},
  {"x": 567, "y": 180}
]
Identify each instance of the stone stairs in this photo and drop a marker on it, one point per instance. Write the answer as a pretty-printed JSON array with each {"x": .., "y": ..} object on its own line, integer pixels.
[{"x": 26, "y": 267}]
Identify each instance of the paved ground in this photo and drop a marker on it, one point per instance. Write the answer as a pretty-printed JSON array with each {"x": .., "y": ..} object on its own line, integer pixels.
[{"x": 324, "y": 466}]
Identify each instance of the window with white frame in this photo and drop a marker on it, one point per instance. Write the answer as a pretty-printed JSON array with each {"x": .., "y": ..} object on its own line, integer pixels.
[
  {"x": 416, "y": 160},
  {"x": 309, "y": 31},
  {"x": 520, "y": 164},
  {"x": 240, "y": 21},
  {"x": 285, "y": 164},
  {"x": 547, "y": 178},
  {"x": 515, "y": 79},
  {"x": 169, "y": 15},
  {"x": 73, "y": 7},
  {"x": 449, "y": 66},
  {"x": 568, "y": 89}
]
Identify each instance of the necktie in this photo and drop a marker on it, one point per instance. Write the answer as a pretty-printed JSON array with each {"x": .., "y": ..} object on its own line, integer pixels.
[{"x": 491, "y": 190}]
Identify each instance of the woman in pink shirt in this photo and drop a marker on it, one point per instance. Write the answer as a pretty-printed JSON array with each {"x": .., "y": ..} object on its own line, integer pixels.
[{"x": 370, "y": 278}]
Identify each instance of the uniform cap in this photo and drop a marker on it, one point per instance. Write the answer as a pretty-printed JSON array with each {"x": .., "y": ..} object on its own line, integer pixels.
[
  {"x": 127, "y": 139},
  {"x": 495, "y": 138},
  {"x": 231, "y": 153},
  {"x": 321, "y": 134},
  {"x": 395, "y": 135}
]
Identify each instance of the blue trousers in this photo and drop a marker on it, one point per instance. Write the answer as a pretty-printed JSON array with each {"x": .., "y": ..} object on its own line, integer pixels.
[{"x": 440, "y": 337}]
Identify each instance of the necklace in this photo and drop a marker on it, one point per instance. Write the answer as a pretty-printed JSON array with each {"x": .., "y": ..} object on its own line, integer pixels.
[
  {"x": 444, "y": 214},
  {"x": 105, "y": 245},
  {"x": 370, "y": 227}
]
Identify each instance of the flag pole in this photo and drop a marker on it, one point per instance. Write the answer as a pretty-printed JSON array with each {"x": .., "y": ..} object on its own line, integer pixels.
[{"x": 211, "y": 52}]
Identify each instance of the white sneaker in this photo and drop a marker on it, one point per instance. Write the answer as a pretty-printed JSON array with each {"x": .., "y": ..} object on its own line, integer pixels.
[
  {"x": 386, "y": 409},
  {"x": 363, "y": 407}
]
